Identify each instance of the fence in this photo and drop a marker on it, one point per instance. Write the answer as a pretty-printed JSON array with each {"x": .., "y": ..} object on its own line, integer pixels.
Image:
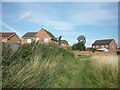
[
  {"x": 8, "y": 48},
  {"x": 93, "y": 53}
]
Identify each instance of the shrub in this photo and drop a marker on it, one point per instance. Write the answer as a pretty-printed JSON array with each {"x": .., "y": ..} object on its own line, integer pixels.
[
  {"x": 40, "y": 66},
  {"x": 79, "y": 46},
  {"x": 93, "y": 49}
]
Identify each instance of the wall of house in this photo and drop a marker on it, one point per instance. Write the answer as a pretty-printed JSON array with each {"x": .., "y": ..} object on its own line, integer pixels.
[
  {"x": 113, "y": 46},
  {"x": 42, "y": 35},
  {"x": 14, "y": 39},
  {"x": 24, "y": 40},
  {"x": 4, "y": 40},
  {"x": 100, "y": 46}
]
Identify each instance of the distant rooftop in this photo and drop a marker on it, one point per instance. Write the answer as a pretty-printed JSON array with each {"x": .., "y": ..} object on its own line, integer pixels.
[
  {"x": 102, "y": 42},
  {"x": 29, "y": 35},
  {"x": 6, "y": 34}
]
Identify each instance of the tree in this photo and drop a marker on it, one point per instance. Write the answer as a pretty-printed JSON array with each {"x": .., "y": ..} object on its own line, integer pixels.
[
  {"x": 81, "y": 43},
  {"x": 79, "y": 46},
  {"x": 59, "y": 39},
  {"x": 81, "y": 39}
]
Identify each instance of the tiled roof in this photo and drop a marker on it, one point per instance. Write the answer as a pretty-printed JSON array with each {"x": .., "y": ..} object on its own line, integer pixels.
[
  {"x": 50, "y": 34},
  {"x": 102, "y": 42},
  {"x": 6, "y": 35},
  {"x": 64, "y": 42},
  {"x": 29, "y": 35}
]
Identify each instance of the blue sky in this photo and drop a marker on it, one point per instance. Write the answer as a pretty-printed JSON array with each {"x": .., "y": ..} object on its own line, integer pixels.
[{"x": 67, "y": 19}]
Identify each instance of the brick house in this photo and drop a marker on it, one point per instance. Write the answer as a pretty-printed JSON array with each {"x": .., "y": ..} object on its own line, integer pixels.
[
  {"x": 105, "y": 45},
  {"x": 9, "y": 37},
  {"x": 42, "y": 36},
  {"x": 64, "y": 43}
]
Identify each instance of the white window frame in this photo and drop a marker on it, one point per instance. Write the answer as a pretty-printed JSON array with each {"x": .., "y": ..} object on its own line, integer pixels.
[
  {"x": 112, "y": 46},
  {"x": 37, "y": 39},
  {"x": 93, "y": 46},
  {"x": 29, "y": 40},
  {"x": 106, "y": 46},
  {"x": 97, "y": 46},
  {"x": 46, "y": 40},
  {"x": 102, "y": 46}
]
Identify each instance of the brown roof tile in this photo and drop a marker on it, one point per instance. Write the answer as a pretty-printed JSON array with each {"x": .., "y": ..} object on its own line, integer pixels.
[{"x": 6, "y": 35}]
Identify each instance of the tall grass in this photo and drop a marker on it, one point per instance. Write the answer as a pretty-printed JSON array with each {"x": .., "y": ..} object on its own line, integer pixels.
[
  {"x": 102, "y": 72},
  {"x": 40, "y": 66}
]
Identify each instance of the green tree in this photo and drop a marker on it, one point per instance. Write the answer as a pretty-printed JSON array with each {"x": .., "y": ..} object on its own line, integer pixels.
[
  {"x": 81, "y": 39},
  {"x": 79, "y": 46},
  {"x": 81, "y": 43}
]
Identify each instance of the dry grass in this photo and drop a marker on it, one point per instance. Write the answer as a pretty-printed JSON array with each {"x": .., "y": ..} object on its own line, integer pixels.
[
  {"x": 105, "y": 69},
  {"x": 110, "y": 61}
]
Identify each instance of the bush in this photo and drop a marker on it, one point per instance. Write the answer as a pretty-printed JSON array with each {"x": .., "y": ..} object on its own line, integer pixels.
[
  {"x": 40, "y": 66},
  {"x": 93, "y": 49},
  {"x": 79, "y": 46}
]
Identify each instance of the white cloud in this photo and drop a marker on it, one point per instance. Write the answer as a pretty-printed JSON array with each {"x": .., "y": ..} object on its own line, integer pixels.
[
  {"x": 23, "y": 16},
  {"x": 61, "y": 25},
  {"x": 92, "y": 14},
  {"x": 11, "y": 28}
]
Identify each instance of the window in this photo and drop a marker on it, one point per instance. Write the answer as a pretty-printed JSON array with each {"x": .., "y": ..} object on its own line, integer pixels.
[
  {"x": 37, "y": 39},
  {"x": 97, "y": 46},
  {"x": 112, "y": 46},
  {"x": 29, "y": 40},
  {"x": 46, "y": 40},
  {"x": 102, "y": 46},
  {"x": 18, "y": 41},
  {"x": 106, "y": 46},
  {"x": 93, "y": 46}
]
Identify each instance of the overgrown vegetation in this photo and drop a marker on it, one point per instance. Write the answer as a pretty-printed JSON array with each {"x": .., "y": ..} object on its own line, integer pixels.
[
  {"x": 38, "y": 66},
  {"x": 100, "y": 71},
  {"x": 93, "y": 49},
  {"x": 48, "y": 66}
]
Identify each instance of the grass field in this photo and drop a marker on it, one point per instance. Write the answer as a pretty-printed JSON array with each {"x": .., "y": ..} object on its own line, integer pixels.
[{"x": 48, "y": 66}]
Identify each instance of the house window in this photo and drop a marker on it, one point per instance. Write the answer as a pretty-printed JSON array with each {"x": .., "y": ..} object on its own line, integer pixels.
[
  {"x": 97, "y": 46},
  {"x": 112, "y": 46},
  {"x": 46, "y": 40},
  {"x": 18, "y": 41},
  {"x": 29, "y": 40},
  {"x": 102, "y": 46},
  {"x": 37, "y": 39},
  {"x": 93, "y": 46},
  {"x": 106, "y": 46}
]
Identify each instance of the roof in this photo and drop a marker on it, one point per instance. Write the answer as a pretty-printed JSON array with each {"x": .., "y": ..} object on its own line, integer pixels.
[
  {"x": 102, "y": 42},
  {"x": 64, "y": 42},
  {"x": 29, "y": 35},
  {"x": 50, "y": 34},
  {"x": 7, "y": 34}
]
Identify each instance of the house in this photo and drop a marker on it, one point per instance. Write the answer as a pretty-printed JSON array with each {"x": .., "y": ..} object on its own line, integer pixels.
[
  {"x": 42, "y": 36},
  {"x": 9, "y": 37},
  {"x": 64, "y": 43},
  {"x": 105, "y": 45}
]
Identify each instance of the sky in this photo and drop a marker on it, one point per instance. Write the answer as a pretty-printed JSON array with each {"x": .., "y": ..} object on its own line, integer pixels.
[{"x": 67, "y": 19}]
